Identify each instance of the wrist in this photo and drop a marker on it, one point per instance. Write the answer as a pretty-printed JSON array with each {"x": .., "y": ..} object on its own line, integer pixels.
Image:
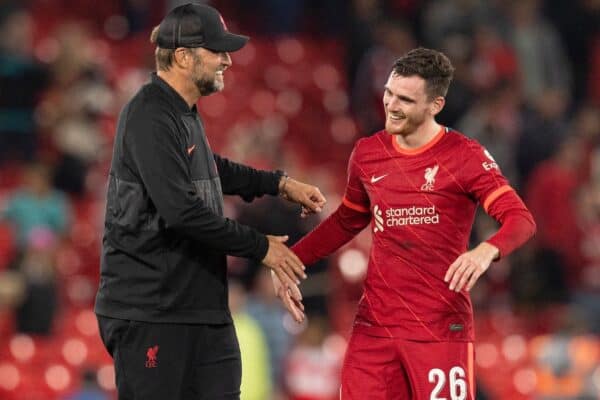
[
  {"x": 493, "y": 251},
  {"x": 283, "y": 181}
]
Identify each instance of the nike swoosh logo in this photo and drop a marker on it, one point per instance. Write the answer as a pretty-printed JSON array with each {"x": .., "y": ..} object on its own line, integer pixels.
[
  {"x": 190, "y": 149},
  {"x": 377, "y": 179}
]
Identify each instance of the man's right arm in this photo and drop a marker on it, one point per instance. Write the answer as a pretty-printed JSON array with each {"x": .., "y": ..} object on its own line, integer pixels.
[
  {"x": 331, "y": 234},
  {"x": 351, "y": 217},
  {"x": 159, "y": 155}
]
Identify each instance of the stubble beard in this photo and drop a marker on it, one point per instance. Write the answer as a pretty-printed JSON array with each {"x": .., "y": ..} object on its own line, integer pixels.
[
  {"x": 207, "y": 86},
  {"x": 204, "y": 84}
]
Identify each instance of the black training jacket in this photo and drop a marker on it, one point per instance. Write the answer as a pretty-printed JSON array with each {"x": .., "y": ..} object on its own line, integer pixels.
[{"x": 165, "y": 238}]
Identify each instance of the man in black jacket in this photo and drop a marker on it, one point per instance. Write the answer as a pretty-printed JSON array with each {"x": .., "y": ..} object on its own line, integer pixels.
[{"x": 162, "y": 302}]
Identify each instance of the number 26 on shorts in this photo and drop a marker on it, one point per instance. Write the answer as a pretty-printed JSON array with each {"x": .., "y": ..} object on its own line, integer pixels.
[{"x": 457, "y": 384}]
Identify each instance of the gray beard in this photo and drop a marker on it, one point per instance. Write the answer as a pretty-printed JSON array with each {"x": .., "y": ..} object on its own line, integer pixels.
[{"x": 206, "y": 86}]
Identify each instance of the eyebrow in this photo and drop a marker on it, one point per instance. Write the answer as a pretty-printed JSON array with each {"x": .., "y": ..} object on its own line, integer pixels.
[{"x": 401, "y": 97}]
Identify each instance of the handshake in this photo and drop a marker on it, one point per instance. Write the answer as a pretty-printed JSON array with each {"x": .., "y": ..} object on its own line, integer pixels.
[
  {"x": 286, "y": 272},
  {"x": 286, "y": 268}
]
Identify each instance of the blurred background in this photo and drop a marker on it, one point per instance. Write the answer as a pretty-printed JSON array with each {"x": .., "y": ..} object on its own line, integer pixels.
[{"x": 304, "y": 89}]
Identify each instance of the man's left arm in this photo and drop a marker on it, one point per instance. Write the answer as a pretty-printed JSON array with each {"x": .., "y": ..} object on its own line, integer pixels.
[
  {"x": 516, "y": 227},
  {"x": 249, "y": 183},
  {"x": 481, "y": 177}
]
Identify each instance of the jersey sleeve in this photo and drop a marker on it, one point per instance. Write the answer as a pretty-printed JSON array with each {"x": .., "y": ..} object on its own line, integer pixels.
[
  {"x": 483, "y": 178},
  {"x": 355, "y": 195}
]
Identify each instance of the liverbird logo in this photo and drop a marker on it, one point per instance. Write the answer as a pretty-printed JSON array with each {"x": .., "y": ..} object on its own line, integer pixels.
[
  {"x": 430, "y": 174},
  {"x": 152, "y": 352}
]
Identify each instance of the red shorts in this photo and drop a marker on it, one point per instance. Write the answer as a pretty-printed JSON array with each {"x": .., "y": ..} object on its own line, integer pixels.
[{"x": 379, "y": 368}]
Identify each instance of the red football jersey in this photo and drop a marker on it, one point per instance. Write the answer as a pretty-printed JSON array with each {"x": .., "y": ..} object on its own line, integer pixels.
[{"x": 423, "y": 204}]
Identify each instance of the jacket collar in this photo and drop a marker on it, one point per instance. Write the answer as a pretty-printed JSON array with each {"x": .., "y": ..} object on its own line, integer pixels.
[{"x": 178, "y": 101}]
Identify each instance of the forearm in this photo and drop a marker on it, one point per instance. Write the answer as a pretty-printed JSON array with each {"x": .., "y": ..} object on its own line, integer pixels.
[
  {"x": 221, "y": 234},
  {"x": 331, "y": 234},
  {"x": 517, "y": 229},
  {"x": 245, "y": 181},
  {"x": 517, "y": 224}
]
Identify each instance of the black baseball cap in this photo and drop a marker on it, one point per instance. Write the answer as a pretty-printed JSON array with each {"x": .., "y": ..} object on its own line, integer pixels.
[{"x": 197, "y": 25}]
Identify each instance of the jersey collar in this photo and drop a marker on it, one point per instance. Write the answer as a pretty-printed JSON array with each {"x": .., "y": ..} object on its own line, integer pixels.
[{"x": 419, "y": 150}]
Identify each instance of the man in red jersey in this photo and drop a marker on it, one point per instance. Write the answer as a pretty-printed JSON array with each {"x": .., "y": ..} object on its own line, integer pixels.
[{"x": 417, "y": 184}]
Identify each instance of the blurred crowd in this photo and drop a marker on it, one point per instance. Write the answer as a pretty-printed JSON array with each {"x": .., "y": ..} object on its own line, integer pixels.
[{"x": 306, "y": 87}]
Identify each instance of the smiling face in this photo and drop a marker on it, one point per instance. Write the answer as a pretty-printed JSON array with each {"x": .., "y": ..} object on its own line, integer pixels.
[
  {"x": 207, "y": 70},
  {"x": 407, "y": 106}
]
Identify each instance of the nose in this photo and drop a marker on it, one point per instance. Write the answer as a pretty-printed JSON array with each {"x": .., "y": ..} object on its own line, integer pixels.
[
  {"x": 393, "y": 104},
  {"x": 226, "y": 59}
]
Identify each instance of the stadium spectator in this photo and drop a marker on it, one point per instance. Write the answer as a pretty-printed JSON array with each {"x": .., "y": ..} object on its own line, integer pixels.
[
  {"x": 262, "y": 305},
  {"x": 89, "y": 389},
  {"x": 22, "y": 82},
  {"x": 72, "y": 108},
  {"x": 551, "y": 193},
  {"x": 37, "y": 265},
  {"x": 312, "y": 369},
  {"x": 543, "y": 64},
  {"x": 36, "y": 204}
]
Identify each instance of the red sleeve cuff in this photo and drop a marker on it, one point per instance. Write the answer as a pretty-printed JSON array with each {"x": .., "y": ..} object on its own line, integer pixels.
[{"x": 517, "y": 224}]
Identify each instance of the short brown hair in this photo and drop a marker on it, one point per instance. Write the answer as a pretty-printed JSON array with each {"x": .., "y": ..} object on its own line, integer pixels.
[
  {"x": 431, "y": 65},
  {"x": 163, "y": 57}
]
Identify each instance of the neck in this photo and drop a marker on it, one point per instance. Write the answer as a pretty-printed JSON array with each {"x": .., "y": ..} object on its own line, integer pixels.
[
  {"x": 420, "y": 137},
  {"x": 181, "y": 85}
]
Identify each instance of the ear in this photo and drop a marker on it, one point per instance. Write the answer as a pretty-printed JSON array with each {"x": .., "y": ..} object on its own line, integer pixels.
[
  {"x": 181, "y": 57},
  {"x": 437, "y": 105}
]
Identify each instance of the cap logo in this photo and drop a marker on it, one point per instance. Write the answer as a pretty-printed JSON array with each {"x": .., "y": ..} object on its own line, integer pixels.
[{"x": 223, "y": 22}]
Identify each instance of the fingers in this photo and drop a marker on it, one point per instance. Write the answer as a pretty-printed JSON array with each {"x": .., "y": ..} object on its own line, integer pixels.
[
  {"x": 473, "y": 279},
  {"x": 298, "y": 304},
  {"x": 317, "y": 197},
  {"x": 290, "y": 301},
  {"x": 458, "y": 275},
  {"x": 282, "y": 260},
  {"x": 305, "y": 212},
  {"x": 294, "y": 267},
  {"x": 311, "y": 204},
  {"x": 285, "y": 280},
  {"x": 294, "y": 291},
  {"x": 463, "y": 277},
  {"x": 452, "y": 269},
  {"x": 295, "y": 308},
  {"x": 306, "y": 195},
  {"x": 462, "y": 274}
]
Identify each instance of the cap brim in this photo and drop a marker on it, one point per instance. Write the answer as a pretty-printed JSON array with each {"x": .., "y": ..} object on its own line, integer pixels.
[{"x": 228, "y": 42}]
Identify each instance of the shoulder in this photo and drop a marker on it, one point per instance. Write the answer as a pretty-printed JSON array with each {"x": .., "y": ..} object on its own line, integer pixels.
[
  {"x": 149, "y": 108},
  {"x": 458, "y": 139},
  {"x": 149, "y": 100},
  {"x": 369, "y": 144}
]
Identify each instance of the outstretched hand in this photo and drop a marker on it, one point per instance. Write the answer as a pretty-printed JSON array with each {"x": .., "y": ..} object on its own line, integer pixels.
[
  {"x": 308, "y": 196},
  {"x": 285, "y": 264},
  {"x": 294, "y": 306}
]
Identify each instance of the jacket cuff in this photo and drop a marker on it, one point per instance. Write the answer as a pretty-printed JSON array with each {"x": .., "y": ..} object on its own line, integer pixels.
[
  {"x": 261, "y": 248},
  {"x": 272, "y": 182}
]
